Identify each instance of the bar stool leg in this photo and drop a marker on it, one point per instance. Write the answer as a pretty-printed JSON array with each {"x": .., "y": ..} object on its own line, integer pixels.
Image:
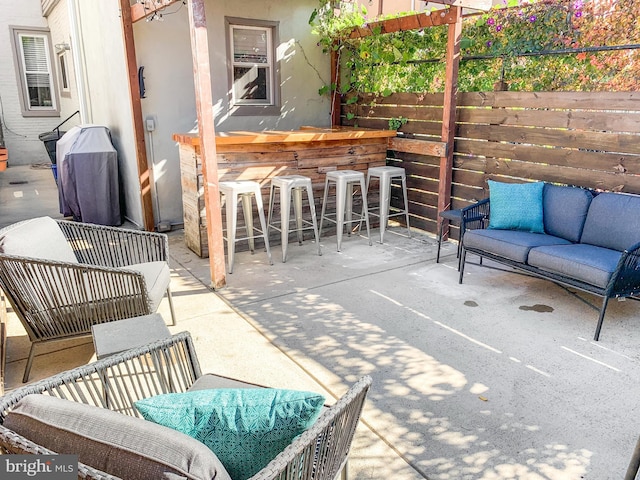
[
  {"x": 406, "y": 203},
  {"x": 248, "y": 218},
  {"x": 263, "y": 225},
  {"x": 365, "y": 209},
  {"x": 324, "y": 205},
  {"x": 313, "y": 217},
  {"x": 297, "y": 208},
  {"x": 232, "y": 211},
  {"x": 385, "y": 200},
  {"x": 341, "y": 193},
  {"x": 271, "y": 203},
  {"x": 349, "y": 211},
  {"x": 285, "y": 208}
]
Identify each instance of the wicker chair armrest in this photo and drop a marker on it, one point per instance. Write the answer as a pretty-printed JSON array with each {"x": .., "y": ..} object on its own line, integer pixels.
[
  {"x": 625, "y": 280},
  {"x": 169, "y": 365},
  {"x": 475, "y": 216},
  {"x": 112, "y": 246},
  {"x": 321, "y": 451}
]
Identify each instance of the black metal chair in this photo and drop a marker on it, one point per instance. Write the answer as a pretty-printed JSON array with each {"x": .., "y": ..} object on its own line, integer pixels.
[{"x": 451, "y": 216}]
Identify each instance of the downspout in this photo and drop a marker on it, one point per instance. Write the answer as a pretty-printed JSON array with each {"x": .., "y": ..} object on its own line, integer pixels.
[{"x": 78, "y": 65}]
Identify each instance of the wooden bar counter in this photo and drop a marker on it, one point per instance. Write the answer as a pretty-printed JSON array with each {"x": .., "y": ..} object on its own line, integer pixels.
[{"x": 260, "y": 156}]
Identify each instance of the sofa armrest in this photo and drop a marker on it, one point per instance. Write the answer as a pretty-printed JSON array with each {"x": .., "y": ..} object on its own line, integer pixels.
[
  {"x": 625, "y": 280},
  {"x": 475, "y": 216},
  {"x": 112, "y": 246}
]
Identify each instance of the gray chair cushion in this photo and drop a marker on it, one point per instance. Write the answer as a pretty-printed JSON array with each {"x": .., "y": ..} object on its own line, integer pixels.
[
  {"x": 586, "y": 263},
  {"x": 124, "y": 446},
  {"x": 511, "y": 244},
  {"x": 211, "y": 381},
  {"x": 157, "y": 276},
  {"x": 613, "y": 221},
  {"x": 37, "y": 238},
  {"x": 565, "y": 211}
]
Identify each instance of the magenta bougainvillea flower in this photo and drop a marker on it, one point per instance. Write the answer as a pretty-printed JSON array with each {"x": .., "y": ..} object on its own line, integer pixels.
[
  {"x": 533, "y": 18},
  {"x": 491, "y": 21}
]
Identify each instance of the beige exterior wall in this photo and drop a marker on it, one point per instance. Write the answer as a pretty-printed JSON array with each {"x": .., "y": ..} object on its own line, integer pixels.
[
  {"x": 107, "y": 91},
  {"x": 20, "y": 133},
  {"x": 164, "y": 49}
]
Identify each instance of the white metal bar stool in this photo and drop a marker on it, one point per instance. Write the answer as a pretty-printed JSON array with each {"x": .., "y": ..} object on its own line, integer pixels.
[
  {"x": 344, "y": 181},
  {"x": 292, "y": 186},
  {"x": 245, "y": 189},
  {"x": 386, "y": 175}
]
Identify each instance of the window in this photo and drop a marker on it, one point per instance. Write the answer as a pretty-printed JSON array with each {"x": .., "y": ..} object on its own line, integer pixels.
[
  {"x": 35, "y": 73},
  {"x": 254, "y": 80}
]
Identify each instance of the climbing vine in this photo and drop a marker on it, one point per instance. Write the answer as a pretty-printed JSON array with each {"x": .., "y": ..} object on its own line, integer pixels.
[{"x": 544, "y": 45}]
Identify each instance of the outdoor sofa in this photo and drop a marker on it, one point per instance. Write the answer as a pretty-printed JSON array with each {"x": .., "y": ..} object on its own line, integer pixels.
[
  {"x": 569, "y": 235},
  {"x": 93, "y": 416}
]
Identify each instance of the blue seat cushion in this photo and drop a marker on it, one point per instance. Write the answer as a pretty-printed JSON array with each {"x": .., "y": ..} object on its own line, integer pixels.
[
  {"x": 613, "y": 221},
  {"x": 587, "y": 263},
  {"x": 516, "y": 206},
  {"x": 511, "y": 244},
  {"x": 565, "y": 210}
]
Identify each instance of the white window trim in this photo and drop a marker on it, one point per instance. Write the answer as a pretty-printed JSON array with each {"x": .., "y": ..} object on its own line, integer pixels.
[
  {"x": 62, "y": 76},
  {"x": 252, "y": 107},
  {"x": 19, "y": 61}
]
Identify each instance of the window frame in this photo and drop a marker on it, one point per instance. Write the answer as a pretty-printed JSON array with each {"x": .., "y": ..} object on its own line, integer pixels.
[
  {"x": 63, "y": 73},
  {"x": 273, "y": 64},
  {"x": 17, "y": 33}
]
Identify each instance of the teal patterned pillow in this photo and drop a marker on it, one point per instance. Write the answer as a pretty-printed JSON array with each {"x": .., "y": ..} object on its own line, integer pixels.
[
  {"x": 516, "y": 206},
  {"x": 246, "y": 428}
]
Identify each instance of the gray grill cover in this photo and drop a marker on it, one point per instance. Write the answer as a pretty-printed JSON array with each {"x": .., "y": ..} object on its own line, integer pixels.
[{"x": 88, "y": 176}]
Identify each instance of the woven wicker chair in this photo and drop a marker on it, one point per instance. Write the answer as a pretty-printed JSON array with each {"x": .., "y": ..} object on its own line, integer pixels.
[
  {"x": 62, "y": 277},
  {"x": 171, "y": 365}
]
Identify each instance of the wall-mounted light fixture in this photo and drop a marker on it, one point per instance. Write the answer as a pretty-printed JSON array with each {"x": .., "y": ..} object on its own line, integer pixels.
[{"x": 61, "y": 47}]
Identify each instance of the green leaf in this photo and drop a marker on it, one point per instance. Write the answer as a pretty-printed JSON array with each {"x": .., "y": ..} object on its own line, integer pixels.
[
  {"x": 323, "y": 90},
  {"x": 313, "y": 16},
  {"x": 351, "y": 116},
  {"x": 352, "y": 100}
]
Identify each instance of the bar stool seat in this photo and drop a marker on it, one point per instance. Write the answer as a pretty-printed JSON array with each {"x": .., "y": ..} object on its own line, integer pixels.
[
  {"x": 246, "y": 190},
  {"x": 291, "y": 187},
  {"x": 344, "y": 181},
  {"x": 385, "y": 176}
]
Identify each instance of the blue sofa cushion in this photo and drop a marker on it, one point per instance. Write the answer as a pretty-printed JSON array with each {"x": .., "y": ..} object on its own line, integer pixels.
[
  {"x": 565, "y": 211},
  {"x": 511, "y": 244},
  {"x": 587, "y": 263},
  {"x": 613, "y": 221},
  {"x": 516, "y": 206}
]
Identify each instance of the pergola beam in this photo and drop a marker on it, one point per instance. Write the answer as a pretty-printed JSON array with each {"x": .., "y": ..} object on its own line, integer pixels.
[{"x": 140, "y": 11}]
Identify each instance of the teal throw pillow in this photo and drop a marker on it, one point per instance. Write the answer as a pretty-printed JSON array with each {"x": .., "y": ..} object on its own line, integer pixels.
[
  {"x": 516, "y": 206},
  {"x": 246, "y": 428}
]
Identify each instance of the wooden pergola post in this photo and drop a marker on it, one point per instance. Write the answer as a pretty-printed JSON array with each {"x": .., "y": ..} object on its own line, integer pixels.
[
  {"x": 207, "y": 134},
  {"x": 449, "y": 112},
  {"x": 144, "y": 173},
  {"x": 335, "y": 92}
]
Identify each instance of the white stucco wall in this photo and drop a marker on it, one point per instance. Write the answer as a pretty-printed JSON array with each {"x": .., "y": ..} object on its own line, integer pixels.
[
  {"x": 20, "y": 133},
  {"x": 164, "y": 49},
  {"x": 108, "y": 91}
]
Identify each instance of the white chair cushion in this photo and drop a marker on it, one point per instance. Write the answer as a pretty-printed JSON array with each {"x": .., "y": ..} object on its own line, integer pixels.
[
  {"x": 37, "y": 238},
  {"x": 156, "y": 276}
]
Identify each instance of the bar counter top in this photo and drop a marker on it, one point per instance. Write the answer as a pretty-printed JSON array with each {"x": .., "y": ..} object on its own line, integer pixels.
[{"x": 304, "y": 134}]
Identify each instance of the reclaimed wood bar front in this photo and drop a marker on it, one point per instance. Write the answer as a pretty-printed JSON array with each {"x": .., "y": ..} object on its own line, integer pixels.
[{"x": 260, "y": 156}]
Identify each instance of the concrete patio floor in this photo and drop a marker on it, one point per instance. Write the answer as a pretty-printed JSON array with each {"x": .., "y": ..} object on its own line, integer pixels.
[{"x": 497, "y": 378}]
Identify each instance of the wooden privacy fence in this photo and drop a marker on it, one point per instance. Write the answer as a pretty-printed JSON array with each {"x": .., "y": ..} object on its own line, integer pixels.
[{"x": 588, "y": 139}]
